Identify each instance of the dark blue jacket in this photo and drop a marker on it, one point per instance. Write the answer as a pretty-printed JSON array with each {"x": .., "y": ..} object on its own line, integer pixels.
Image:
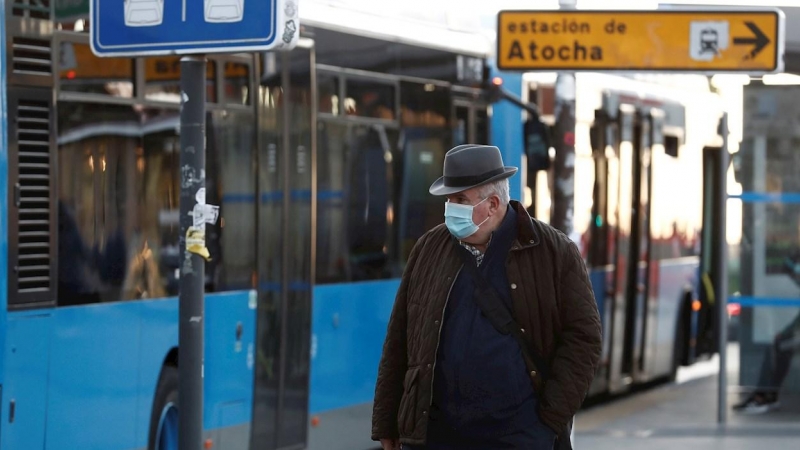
[{"x": 482, "y": 395}]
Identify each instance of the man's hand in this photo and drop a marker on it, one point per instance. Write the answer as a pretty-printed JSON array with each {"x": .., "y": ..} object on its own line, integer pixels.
[{"x": 390, "y": 444}]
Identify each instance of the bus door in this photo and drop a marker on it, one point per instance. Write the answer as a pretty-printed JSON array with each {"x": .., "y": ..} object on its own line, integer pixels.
[
  {"x": 642, "y": 306},
  {"x": 629, "y": 207},
  {"x": 601, "y": 252},
  {"x": 711, "y": 252},
  {"x": 286, "y": 160}
]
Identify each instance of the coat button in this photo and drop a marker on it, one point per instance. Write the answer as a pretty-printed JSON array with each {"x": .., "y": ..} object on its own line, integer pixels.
[
  {"x": 523, "y": 330},
  {"x": 429, "y": 366},
  {"x": 424, "y": 412},
  {"x": 533, "y": 373},
  {"x": 436, "y": 322},
  {"x": 531, "y": 241},
  {"x": 513, "y": 285}
]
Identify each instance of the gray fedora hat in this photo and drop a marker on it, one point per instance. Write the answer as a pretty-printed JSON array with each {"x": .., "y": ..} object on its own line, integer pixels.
[{"x": 470, "y": 165}]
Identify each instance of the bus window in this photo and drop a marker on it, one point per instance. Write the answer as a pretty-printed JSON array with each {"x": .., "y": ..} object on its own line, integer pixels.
[
  {"x": 163, "y": 79},
  {"x": 354, "y": 202},
  {"x": 328, "y": 94},
  {"x": 369, "y": 99},
  {"x": 237, "y": 83},
  {"x": 119, "y": 199},
  {"x": 81, "y": 71},
  {"x": 425, "y": 139}
]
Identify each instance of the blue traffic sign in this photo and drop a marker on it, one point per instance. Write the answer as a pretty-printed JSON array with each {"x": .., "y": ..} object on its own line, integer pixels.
[{"x": 163, "y": 27}]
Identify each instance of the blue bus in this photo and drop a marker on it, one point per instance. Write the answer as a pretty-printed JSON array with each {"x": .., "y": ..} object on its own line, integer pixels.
[
  {"x": 303, "y": 150},
  {"x": 89, "y": 248}
]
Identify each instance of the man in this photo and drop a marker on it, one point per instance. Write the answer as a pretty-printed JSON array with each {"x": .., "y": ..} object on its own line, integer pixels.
[{"x": 448, "y": 377}]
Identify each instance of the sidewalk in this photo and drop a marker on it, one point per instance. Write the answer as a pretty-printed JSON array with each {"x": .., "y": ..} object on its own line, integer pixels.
[{"x": 684, "y": 416}]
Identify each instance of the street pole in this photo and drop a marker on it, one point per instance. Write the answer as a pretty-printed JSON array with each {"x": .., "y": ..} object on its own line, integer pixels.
[
  {"x": 193, "y": 250},
  {"x": 721, "y": 293},
  {"x": 564, "y": 164}
]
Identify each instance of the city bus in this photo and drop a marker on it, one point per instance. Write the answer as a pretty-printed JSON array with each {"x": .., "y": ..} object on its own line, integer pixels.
[
  {"x": 306, "y": 151},
  {"x": 89, "y": 248},
  {"x": 642, "y": 210}
]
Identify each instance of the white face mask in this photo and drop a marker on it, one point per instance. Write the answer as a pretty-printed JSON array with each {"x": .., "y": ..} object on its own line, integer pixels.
[{"x": 458, "y": 219}]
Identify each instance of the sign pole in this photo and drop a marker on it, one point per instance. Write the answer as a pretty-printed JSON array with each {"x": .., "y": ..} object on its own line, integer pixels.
[
  {"x": 722, "y": 271},
  {"x": 193, "y": 250},
  {"x": 564, "y": 164}
]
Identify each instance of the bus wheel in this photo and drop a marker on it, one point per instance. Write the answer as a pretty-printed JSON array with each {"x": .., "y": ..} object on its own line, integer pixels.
[{"x": 164, "y": 416}]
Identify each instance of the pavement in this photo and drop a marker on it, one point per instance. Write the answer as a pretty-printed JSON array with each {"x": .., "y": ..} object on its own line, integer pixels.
[{"x": 683, "y": 416}]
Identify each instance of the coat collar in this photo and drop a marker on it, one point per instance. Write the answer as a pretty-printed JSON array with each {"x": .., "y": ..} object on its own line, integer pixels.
[{"x": 527, "y": 236}]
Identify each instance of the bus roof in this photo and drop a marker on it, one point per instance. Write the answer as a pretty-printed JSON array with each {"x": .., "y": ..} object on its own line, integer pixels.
[{"x": 434, "y": 24}]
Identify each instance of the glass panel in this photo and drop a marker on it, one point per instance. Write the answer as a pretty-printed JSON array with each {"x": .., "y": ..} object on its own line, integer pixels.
[
  {"x": 355, "y": 216},
  {"x": 270, "y": 238},
  {"x": 231, "y": 184},
  {"x": 284, "y": 257},
  {"x": 163, "y": 79},
  {"x": 481, "y": 125},
  {"x": 765, "y": 319},
  {"x": 297, "y": 320},
  {"x": 116, "y": 233},
  {"x": 425, "y": 106},
  {"x": 118, "y": 203},
  {"x": 237, "y": 83},
  {"x": 764, "y": 273},
  {"x": 369, "y": 99},
  {"x": 598, "y": 226},
  {"x": 425, "y": 138},
  {"x": 328, "y": 93},
  {"x": 461, "y": 126},
  {"x": 81, "y": 71}
]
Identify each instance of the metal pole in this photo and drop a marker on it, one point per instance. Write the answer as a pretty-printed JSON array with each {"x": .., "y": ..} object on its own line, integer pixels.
[
  {"x": 192, "y": 247},
  {"x": 564, "y": 164},
  {"x": 722, "y": 271}
]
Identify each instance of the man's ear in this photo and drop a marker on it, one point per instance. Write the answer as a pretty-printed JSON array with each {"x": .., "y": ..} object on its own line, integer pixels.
[{"x": 494, "y": 203}]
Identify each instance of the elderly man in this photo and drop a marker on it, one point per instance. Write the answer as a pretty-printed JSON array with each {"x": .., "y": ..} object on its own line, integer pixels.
[{"x": 495, "y": 336}]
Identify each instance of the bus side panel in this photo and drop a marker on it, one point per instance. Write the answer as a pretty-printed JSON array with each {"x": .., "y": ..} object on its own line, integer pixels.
[
  {"x": 506, "y": 132},
  {"x": 674, "y": 278},
  {"x": 159, "y": 336},
  {"x": 228, "y": 382},
  {"x": 348, "y": 328},
  {"x": 28, "y": 346},
  {"x": 229, "y": 367},
  {"x": 93, "y": 376}
]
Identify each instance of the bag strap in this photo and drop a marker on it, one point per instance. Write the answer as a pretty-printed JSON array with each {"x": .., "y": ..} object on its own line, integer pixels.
[{"x": 495, "y": 309}]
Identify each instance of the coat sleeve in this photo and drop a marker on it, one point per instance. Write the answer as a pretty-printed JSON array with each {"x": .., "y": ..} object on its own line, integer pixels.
[
  {"x": 394, "y": 360},
  {"x": 578, "y": 345}
]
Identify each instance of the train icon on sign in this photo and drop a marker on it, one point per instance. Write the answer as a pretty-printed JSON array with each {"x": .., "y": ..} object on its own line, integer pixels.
[
  {"x": 144, "y": 13},
  {"x": 224, "y": 10}
]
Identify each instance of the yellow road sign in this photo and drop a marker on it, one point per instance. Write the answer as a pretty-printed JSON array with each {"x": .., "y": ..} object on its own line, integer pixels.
[{"x": 666, "y": 40}]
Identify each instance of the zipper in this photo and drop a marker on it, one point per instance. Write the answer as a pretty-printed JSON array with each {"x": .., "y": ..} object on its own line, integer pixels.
[{"x": 439, "y": 335}]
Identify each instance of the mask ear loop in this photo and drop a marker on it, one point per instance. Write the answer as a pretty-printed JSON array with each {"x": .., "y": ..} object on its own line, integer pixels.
[{"x": 487, "y": 217}]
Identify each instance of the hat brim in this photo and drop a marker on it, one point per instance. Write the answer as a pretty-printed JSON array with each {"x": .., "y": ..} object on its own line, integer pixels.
[{"x": 438, "y": 187}]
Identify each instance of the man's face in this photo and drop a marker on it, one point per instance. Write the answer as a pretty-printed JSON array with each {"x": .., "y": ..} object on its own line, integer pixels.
[{"x": 472, "y": 197}]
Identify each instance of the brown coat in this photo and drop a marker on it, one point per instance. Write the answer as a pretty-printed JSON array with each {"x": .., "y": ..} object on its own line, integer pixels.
[{"x": 552, "y": 299}]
